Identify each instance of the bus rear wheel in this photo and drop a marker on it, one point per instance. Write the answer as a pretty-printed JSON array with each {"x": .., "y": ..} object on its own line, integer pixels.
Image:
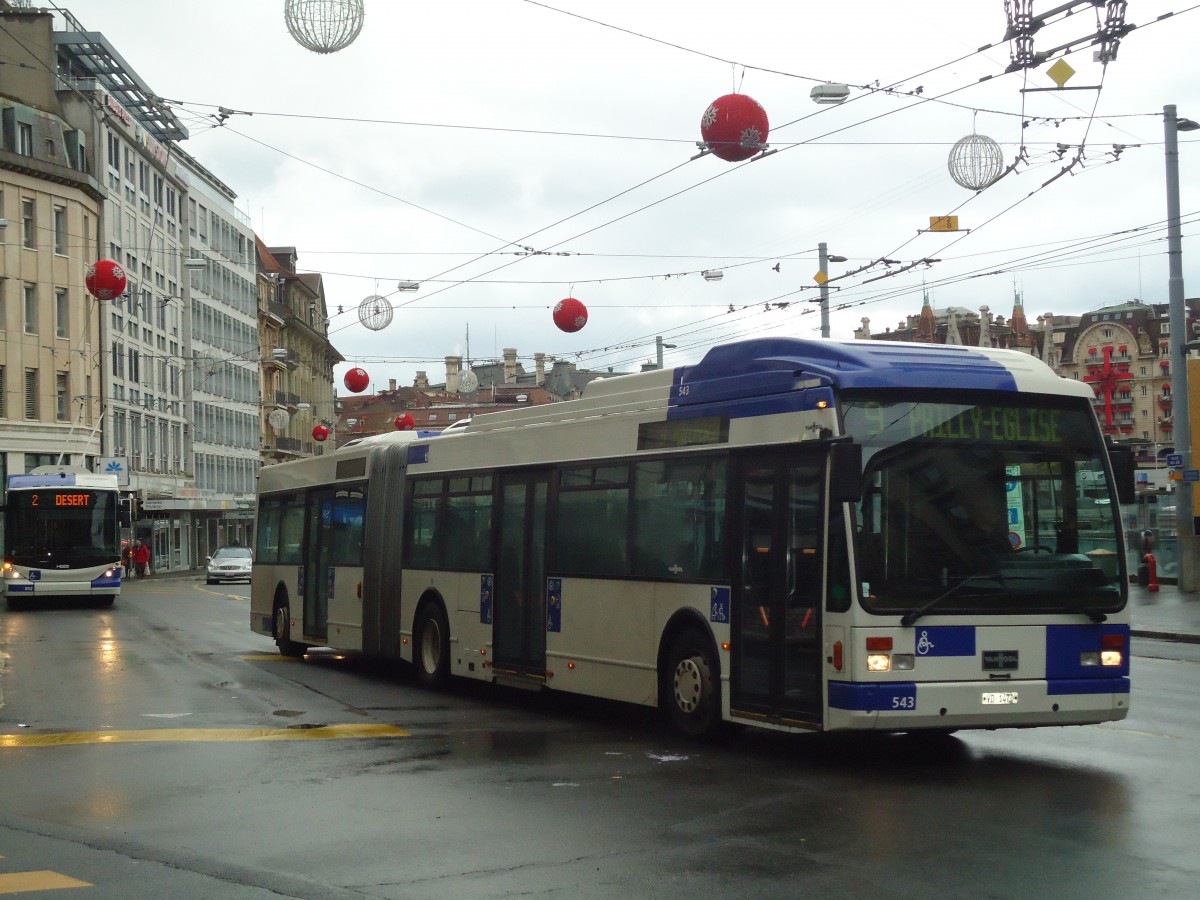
[
  {"x": 431, "y": 652},
  {"x": 689, "y": 686},
  {"x": 283, "y": 633}
]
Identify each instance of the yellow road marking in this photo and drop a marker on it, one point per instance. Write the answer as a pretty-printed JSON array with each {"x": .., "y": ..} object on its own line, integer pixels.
[
  {"x": 16, "y": 882},
  {"x": 323, "y": 732}
]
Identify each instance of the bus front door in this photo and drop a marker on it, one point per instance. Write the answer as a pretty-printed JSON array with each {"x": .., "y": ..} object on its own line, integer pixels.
[
  {"x": 776, "y": 660},
  {"x": 519, "y": 601}
]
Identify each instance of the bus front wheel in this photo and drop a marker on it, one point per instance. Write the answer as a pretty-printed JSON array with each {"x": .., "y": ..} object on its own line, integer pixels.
[
  {"x": 283, "y": 633},
  {"x": 432, "y": 651},
  {"x": 689, "y": 685}
]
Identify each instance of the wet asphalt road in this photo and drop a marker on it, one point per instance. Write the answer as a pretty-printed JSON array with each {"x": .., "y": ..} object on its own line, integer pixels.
[{"x": 492, "y": 793}]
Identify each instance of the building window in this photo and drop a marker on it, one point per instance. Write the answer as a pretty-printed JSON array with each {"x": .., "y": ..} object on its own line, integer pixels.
[
  {"x": 61, "y": 401},
  {"x": 60, "y": 230},
  {"x": 28, "y": 223},
  {"x": 3, "y": 393},
  {"x": 31, "y": 404},
  {"x": 31, "y": 309},
  {"x": 25, "y": 138},
  {"x": 61, "y": 313}
]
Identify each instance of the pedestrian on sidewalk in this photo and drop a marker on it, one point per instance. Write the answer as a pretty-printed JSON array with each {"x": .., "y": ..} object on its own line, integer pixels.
[{"x": 141, "y": 558}]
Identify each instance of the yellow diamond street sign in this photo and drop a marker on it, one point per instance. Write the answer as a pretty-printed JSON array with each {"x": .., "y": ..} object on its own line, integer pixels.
[{"x": 1060, "y": 72}]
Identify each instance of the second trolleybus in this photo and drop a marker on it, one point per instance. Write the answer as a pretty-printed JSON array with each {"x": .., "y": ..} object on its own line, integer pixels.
[
  {"x": 61, "y": 536},
  {"x": 794, "y": 534}
]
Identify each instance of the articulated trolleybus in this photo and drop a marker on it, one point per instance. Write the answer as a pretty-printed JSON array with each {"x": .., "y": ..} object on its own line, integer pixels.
[
  {"x": 793, "y": 534},
  {"x": 62, "y": 536}
]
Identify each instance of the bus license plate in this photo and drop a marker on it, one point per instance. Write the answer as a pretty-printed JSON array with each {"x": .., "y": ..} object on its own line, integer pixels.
[{"x": 999, "y": 698}]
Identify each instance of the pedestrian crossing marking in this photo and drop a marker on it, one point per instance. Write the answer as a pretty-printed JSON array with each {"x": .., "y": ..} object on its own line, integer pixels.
[
  {"x": 193, "y": 735},
  {"x": 18, "y": 882}
]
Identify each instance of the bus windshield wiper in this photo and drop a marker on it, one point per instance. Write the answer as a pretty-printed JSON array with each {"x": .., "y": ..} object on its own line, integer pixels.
[
  {"x": 910, "y": 617},
  {"x": 1093, "y": 614}
]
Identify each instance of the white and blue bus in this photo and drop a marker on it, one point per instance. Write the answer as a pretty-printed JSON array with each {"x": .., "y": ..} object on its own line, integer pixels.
[
  {"x": 794, "y": 534},
  {"x": 62, "y": 536}
]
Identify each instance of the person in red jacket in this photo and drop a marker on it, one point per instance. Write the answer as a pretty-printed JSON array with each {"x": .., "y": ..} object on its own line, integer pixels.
[{"x": 141, "y": 558}]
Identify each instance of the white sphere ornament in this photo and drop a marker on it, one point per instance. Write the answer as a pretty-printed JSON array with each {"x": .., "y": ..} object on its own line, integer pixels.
[
  {"x": 324, "y": 26},
  {"x": 375, "y": 312},
  {"x": 468, "y": 382},
  {"x": 278, "y": 419},
  {"x": 976, "y": 162}
]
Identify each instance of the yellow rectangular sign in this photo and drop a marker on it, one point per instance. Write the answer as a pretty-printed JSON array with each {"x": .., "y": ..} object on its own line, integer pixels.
[{"x": 943, "y": 223}]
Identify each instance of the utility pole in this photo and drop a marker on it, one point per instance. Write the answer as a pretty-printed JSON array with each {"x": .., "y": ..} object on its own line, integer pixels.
[
  {"x": 660, "y": 346},
  {"x": 1177, "y": 309},
  {"x": 825, "y": 259}
]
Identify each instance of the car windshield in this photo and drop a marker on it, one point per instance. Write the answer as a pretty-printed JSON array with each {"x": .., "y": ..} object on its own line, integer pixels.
[{"x": 232, "y": 553}]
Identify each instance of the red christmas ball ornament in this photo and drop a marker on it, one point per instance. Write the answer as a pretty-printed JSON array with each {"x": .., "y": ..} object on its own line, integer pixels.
[
  {"x": 356, "y": 380},
  {"x": 735, "y": 127},
  {"x": 320, "y": 432},
  {"x": 405, "y": 422},
  {"x": 570, "y": 315},
  {"x": 105, "y": 280}
]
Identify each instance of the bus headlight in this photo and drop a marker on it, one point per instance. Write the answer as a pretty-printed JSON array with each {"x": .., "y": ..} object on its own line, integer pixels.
[
  {"x": 879, "y": 662},
  {"x": 1111, "y": 657}
]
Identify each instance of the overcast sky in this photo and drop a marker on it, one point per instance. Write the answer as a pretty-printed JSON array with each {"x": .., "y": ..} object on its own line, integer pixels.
[{"x": 450, "y": 135}]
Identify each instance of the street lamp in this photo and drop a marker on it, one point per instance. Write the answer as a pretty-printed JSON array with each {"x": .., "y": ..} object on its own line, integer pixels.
[
  {"x": 829, "y": 93},
  {"x": 658, "y": 342},
  {"x": 823, "y": 280},
  {"x": 1184, "y": 524}
]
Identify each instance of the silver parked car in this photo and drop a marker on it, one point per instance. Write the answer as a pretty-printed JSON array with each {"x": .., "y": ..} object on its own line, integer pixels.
[{"x": 230, "y": 564}]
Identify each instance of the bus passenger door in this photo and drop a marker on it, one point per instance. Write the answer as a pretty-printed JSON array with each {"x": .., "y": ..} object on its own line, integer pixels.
[
  {"x": 519, "y": 601},
  {"x": 316, "y": 564},
  {"x": 776, "y": 618}
]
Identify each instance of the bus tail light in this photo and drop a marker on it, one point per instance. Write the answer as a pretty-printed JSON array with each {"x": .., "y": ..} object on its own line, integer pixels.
[{"x": 836, "y": 659}]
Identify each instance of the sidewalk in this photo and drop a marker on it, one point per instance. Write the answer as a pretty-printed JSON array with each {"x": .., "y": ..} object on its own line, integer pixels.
[{"x": 1167, "y": 614}]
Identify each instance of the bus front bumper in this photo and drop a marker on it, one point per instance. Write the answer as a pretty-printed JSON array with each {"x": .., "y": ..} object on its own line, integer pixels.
[{"x": 908, "y": 706}]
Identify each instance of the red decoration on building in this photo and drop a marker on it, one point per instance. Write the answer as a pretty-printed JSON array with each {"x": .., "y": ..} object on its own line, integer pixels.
[
  {"x": 735, "y": 127},
  {"x": 105, "y": 280},
  {"x": 1106, "y": 380},
  {"x": 405, "y": 422},
  {"x": 356, "y": 380},
  {"x": 320, "y": 432},
  {"x": 570, "y": 315}
]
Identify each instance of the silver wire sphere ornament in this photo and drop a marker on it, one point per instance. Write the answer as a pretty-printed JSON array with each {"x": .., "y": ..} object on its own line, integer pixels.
[
  {"x": 324, "y": 26},
  {"x": 375, "y": 312},
  {"x": 976, "y": 162}
]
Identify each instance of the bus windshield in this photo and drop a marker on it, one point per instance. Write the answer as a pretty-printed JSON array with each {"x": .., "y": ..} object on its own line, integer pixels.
[
  {"x": 61, "y": 528},
  {"x": 983, "y": 507}
]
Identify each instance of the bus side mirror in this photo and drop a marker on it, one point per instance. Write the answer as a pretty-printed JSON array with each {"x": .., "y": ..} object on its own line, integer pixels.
[
  {"x": 845, "y": 473},
  {"x": 1120, "y": 456}
]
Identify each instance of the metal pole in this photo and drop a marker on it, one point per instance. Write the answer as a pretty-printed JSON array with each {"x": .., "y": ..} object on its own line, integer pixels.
[
  {"x": 1179, "y": 356},
  {"x": 660, "y": 346},
  {"x": 823, "y": 257}
]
